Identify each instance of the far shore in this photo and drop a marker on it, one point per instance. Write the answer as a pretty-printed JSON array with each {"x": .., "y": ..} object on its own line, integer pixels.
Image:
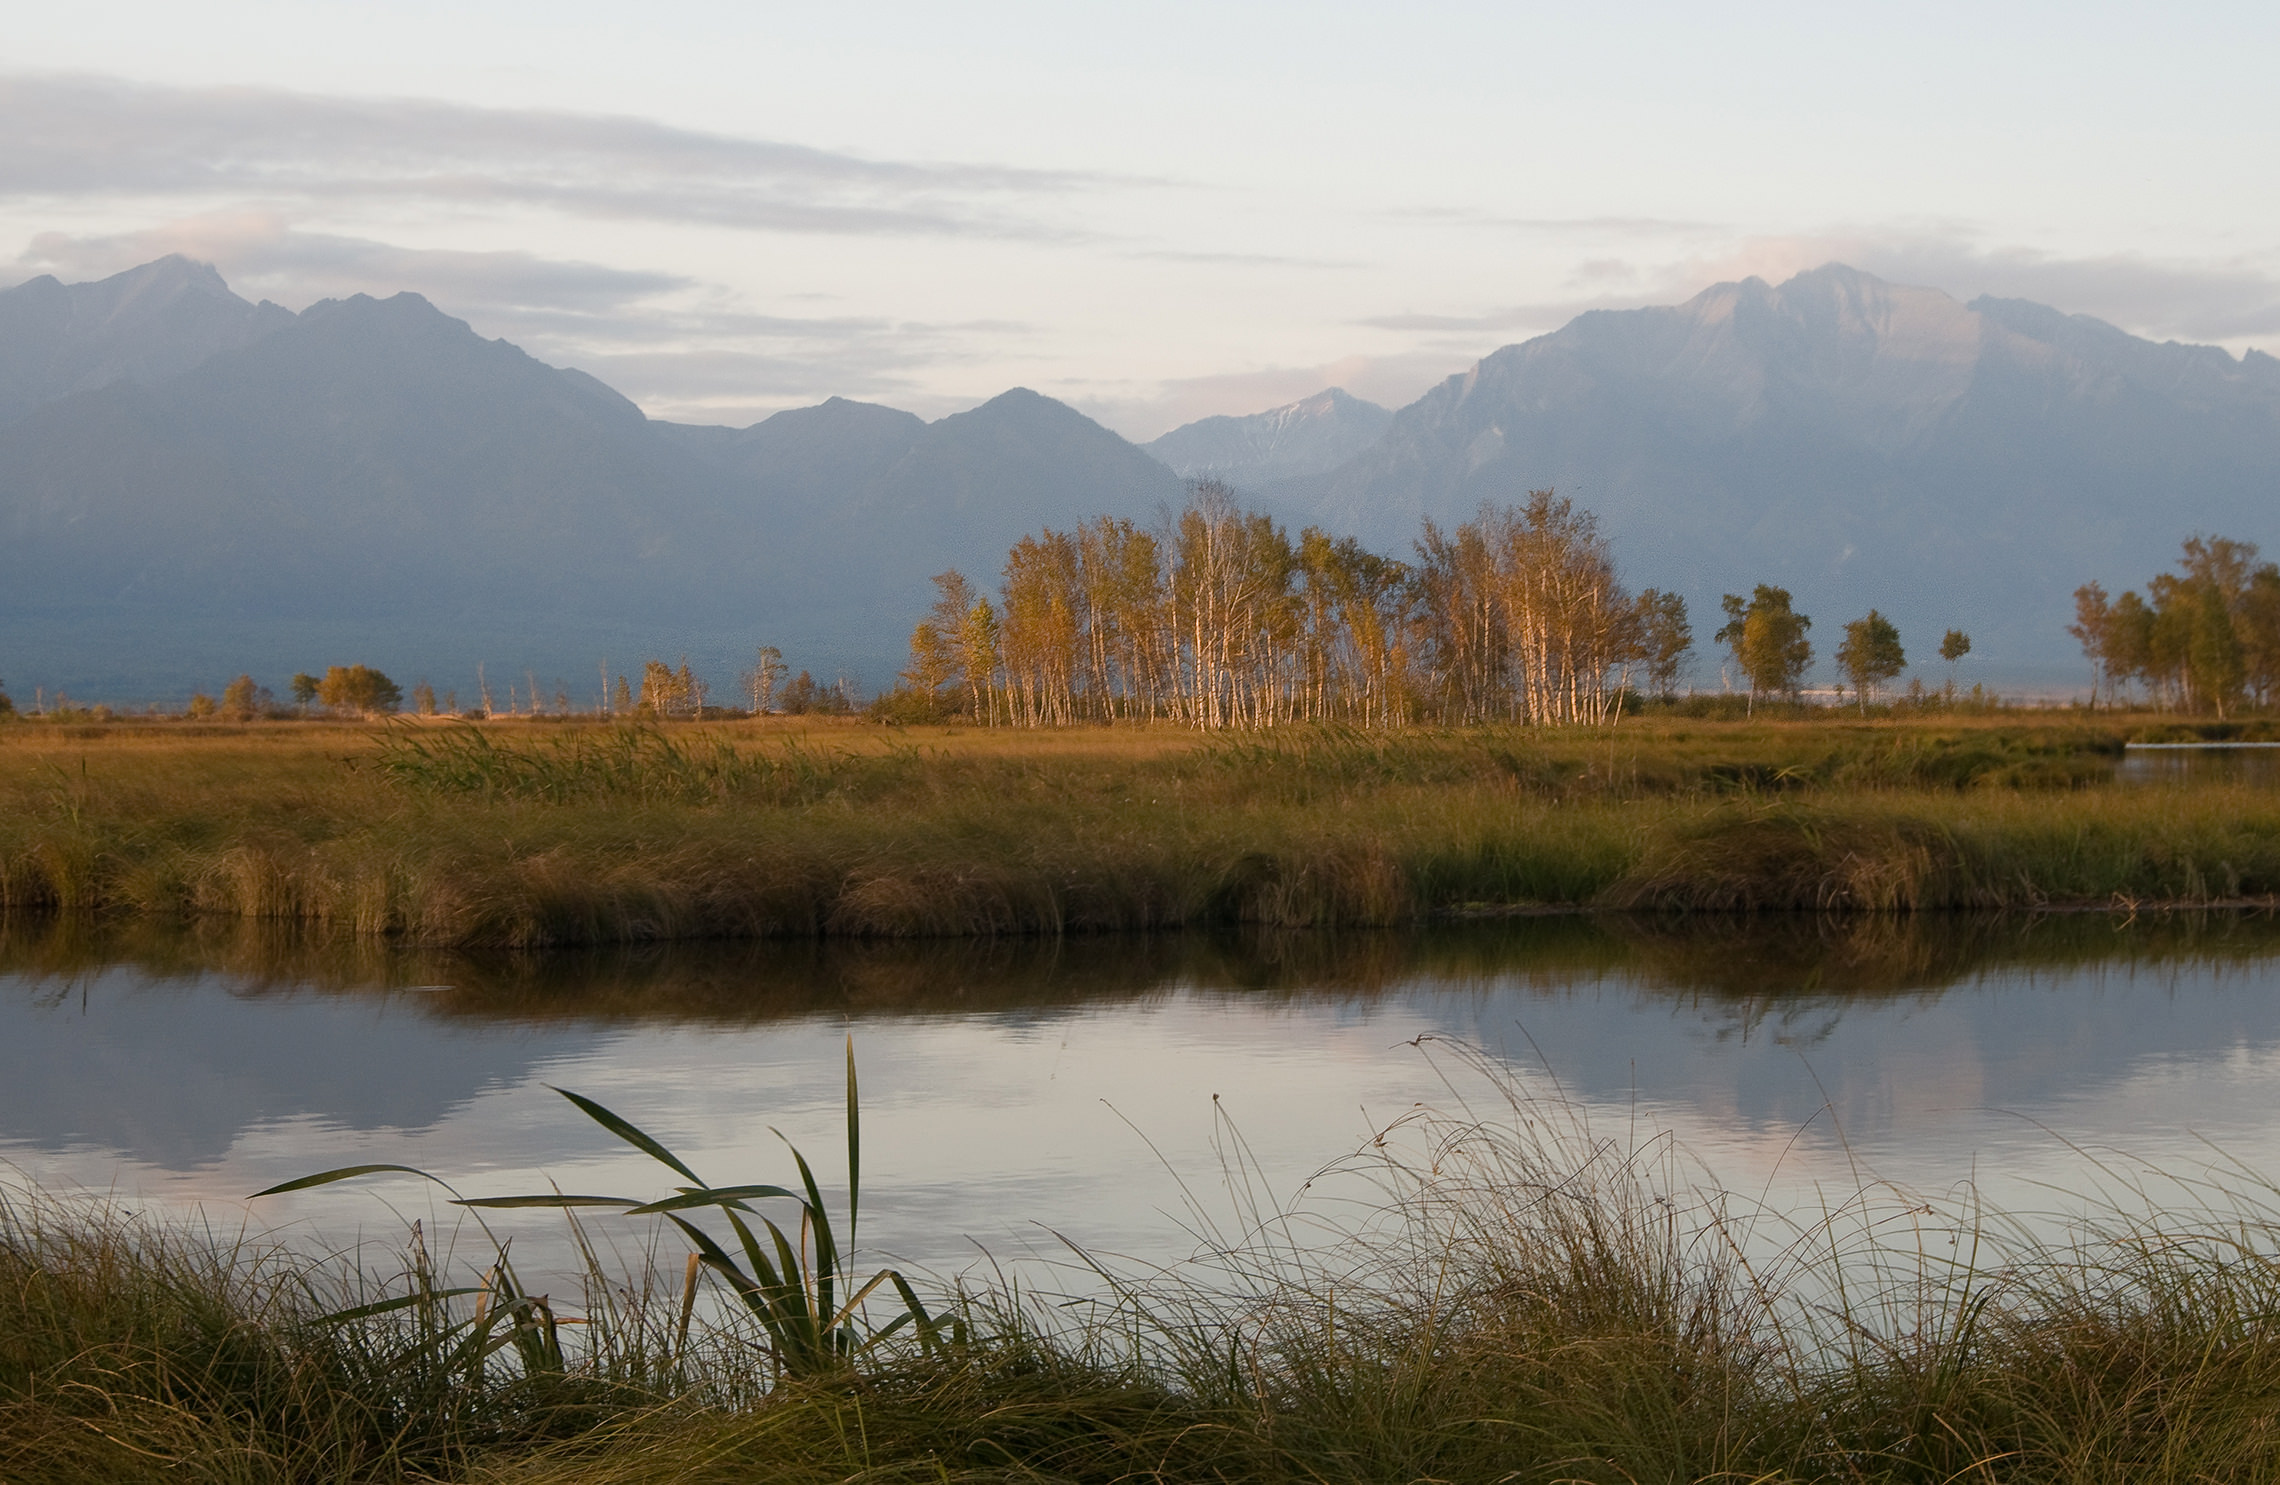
[{"x": 578, "y": 833}]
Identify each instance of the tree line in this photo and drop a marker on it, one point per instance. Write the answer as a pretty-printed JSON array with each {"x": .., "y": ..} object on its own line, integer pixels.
[
  {"x": 2205, "y": 637},
  {"x": 1221, "y": 619},
  {"x": 660, "y": 691}
]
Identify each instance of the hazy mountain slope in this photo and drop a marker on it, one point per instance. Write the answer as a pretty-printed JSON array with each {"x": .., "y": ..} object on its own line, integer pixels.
[
  {"x": 1310, "y": 437},
  {"x": 863, "y": 504},
  {"x": 1863, "y": 443},
  {"x": 835, "y": 445},
  {"x": 143, "y": 325},
  {"x": 372, "y": 456},
  {"x": 374, "y": 479},
  {"x": 1018, "y": 462}
]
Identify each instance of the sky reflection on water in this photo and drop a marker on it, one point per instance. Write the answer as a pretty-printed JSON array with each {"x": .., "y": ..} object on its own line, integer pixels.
[{"x": 1015, "y": 1092}]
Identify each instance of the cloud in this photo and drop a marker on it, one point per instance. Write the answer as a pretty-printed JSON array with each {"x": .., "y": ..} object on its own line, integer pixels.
[
  {"x": 77, "y": 137},
  {"x": 2207, "y": 300},
  {"x": 2226, "y": 301},
  {"x": 1240, "y": 260},
  {"x": 2201, "y": 301},
  {"x": 1602, "y": 226},
  {"x": 263, "y": 255}
]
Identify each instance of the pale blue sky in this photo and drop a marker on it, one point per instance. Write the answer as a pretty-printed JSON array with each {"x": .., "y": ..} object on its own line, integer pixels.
[{"x": 1153, "y": 212}]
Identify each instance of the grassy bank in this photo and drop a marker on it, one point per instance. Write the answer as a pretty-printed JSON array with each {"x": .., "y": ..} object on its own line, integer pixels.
[
  {"x": 1512, "y": 1300},
  {"x": 546, "y": 835}
]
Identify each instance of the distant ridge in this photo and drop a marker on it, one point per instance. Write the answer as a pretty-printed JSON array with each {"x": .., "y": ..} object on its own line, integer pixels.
[{"x": 1312, "y": 436}]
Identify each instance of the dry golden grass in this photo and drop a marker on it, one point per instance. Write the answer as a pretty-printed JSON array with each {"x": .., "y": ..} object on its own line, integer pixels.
[{"x": 531, "y": 834}]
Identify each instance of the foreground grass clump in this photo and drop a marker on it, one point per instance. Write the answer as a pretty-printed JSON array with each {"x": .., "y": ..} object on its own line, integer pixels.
[
  {"x": 526, "y": 836},
  {"x": 1465, "y": 1299}
]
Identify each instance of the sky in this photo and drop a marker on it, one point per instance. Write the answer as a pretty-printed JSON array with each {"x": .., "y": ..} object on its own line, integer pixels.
[{"x": 1153, "y": 212}]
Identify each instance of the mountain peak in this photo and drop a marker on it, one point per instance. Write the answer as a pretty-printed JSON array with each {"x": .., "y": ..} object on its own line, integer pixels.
[
  {"x": 1310, "y": 436},
  {"x": 152, "y": 321},
  {"x": 175, "y": 270},
  {"x": 1017, "y": 400}
]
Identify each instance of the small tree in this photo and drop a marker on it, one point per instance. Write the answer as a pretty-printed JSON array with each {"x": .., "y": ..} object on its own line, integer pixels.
[
  {"x": 359, "y": 690},
  {"x": 659, "y": 688},
  {"x": 1665, "y": 637},
  {"x": 933, "y": 660},
  {"x": 1767, "y": 639},
  {"x": 305, "y": 688},
  {"x": 241, "y": 699},
  {"x": 1871, "y": 655},
  {"x": 2093, "y": 627},
  {"x": 2258, "y": 619},
  {"x": 800, "y": 695},
  {"x": 978, "y": 657},
  {"x": 423, "y": 699},
  {"x": 761, "y": 681},
  {"x": 2213, "y": 660},
  {"x": 1954, "y": 645}
]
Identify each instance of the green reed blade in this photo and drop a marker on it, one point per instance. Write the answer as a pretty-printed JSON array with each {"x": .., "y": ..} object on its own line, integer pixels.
[
  {"x": 791, "y": 1269},
  {"x": 628, "y": 1133},
  {"x": 913, "y": 1310},
  {"x": 854, "y": 1145},
  {"x": 826, "y": 1252},
  {"x": 713, "y": 1196},
  {"x": 548, "y": 1201},
  {"x": 388, "y": 1306},
  {"x": 766, "y": 1280},
  {"x": 347, "y": 1173}
]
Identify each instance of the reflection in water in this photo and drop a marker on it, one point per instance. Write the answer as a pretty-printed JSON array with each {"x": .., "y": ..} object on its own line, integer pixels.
[
  {"x": 2255, "y": 764},
  {"x": 1746, "y": 959},
  {"x": 1025, "y": 1081}
]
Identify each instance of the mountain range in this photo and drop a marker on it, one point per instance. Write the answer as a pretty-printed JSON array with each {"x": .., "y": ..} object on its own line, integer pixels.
[
  {"x": 370, "y": 477},
  {"x": 1863, "y": 443},
  {"x": 193, "y": 485}
]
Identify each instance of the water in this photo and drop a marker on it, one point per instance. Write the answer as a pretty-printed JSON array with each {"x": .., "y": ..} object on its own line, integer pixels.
[
  {"x": 2253, "y": 763},
  {"x": 1017, "y": 1094}
]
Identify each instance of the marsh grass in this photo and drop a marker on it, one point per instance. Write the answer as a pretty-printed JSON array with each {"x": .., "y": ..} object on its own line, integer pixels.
[
  {"x": 1489, "y": 1291},
  {"x": 529, "y": 837}
]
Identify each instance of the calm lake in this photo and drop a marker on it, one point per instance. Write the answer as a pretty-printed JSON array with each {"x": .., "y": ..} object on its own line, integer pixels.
[{"x": 1092, "y": 1089}]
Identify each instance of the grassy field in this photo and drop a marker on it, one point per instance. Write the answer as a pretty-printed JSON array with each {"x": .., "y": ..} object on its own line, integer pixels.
[
  {"x": 1518, "y": 1299},
  {"x": 529, "y": 834}
]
